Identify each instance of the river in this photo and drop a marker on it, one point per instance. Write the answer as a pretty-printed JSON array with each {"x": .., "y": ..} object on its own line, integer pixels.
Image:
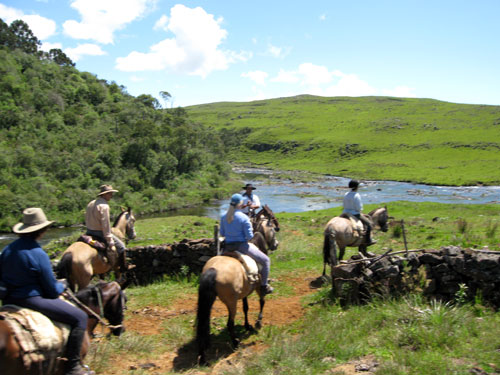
[{"x": 287, "y": 195}]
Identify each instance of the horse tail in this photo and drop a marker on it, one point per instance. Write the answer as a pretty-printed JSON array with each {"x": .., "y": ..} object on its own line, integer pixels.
[
  {"x": 206, "y": 298},
  {"x": 63, "y": 269}
]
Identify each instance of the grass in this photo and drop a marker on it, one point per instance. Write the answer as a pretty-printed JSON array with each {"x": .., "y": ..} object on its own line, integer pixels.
[
  {"x": 420, "y": 140},
  {"x": 406, "y": 336}
]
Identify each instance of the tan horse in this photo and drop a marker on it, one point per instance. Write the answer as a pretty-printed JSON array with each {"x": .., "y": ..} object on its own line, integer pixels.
[
  {"x": 112, "y": 303},
  {"x": 339, "y": 232},
  {"x": 225, "y": 277},
  {"x": 266, "y": 223},
  {"x": 81, "y": 261}
]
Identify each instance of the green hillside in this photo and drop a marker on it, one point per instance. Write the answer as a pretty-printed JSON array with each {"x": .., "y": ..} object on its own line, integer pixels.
[
  {"x": 66, "y": 132},
  {"x": 419, "y": 140}
]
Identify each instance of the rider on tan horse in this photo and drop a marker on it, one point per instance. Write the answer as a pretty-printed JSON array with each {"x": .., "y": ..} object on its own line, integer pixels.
[
  {"x": 98, "y": 226},
  {"x": 236, "y": 227},
  {"x": 353, "y": 206}
]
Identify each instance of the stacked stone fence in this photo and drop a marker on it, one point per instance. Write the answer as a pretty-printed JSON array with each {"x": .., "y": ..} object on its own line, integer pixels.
[
  {"x": 186, "y": 257},
  {"x": 445, "y": 274}
]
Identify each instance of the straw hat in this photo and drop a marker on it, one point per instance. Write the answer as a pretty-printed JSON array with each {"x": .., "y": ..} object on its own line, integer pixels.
[
  {"x": 33, "y": 219},
  {"x": 107, "y": 189}
]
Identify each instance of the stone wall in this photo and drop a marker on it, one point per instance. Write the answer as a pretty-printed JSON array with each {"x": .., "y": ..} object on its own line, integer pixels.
[
  {"x": 154, "y": 261},
  {"x": 444, "y": 274}
]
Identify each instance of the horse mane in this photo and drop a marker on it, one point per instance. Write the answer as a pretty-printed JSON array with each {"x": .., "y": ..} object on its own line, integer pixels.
[
  {"x": 119, "y": 216},
  {"x": 375, "y": 210}
]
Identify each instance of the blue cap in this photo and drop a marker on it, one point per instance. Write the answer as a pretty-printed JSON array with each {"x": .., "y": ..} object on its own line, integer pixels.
[{"x": 236, "y": 199}]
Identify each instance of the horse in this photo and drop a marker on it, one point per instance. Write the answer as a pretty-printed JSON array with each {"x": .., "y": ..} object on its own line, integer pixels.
[
  {"x": 339, "y": 231},
  {"x": 81, "y": 261},
  {"x": 266, "y": 224},
  {"x": 107, "y": 298},
  {"x": 224, "y": 277}
]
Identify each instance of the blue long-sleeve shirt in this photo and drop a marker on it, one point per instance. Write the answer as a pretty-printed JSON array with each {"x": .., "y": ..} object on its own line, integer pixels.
[
  {"x": 239, "y": 230},
  {"x": 26, "y": 269}
]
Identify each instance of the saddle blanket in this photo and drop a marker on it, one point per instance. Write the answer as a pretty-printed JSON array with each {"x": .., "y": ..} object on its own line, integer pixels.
[{"x": 39, "y": 338}]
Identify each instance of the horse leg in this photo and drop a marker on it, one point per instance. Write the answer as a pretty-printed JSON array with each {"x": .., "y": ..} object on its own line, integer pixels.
[
  {"x": 332, "y": 243},
  {"x": 341, "y": 252},
  {"x": 248, "y": 327},
  {"x": 231, "y": 309},
  {"x": 262, "y": 302}
]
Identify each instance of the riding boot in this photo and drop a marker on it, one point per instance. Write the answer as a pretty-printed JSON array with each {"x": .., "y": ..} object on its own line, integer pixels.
[
  {"x": 369, "y": 240},
  {"x": 73, "y": 349},
  {"x": 124, "y": 266}
]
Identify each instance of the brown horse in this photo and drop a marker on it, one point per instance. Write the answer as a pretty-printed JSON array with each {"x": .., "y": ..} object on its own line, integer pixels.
[
  {"x": 223, "y": 277},
  {"x": 266, "y": 223},
  {"x": 339, "y": 232},
  {"x": 81, "y": 261},
  {"x": 106, "y": 297}
]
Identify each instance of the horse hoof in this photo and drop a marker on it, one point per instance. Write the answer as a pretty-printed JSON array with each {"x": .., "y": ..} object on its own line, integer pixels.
[
  {"x": 236, "y": 343},
  {"x": 202, "y": 361},
  {"x": 258, "y": 325}
]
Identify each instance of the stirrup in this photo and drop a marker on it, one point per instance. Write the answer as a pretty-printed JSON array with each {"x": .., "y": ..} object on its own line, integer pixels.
[{"x": 266, "y": 289}]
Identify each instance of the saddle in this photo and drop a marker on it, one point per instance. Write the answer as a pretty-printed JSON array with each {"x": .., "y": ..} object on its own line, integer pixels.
[
  {"x": 101, "y": 246},
  {"x": 251, "y": 267},
  {"x": 41, "y": 340},
  {"x": 357, "y": 225}
]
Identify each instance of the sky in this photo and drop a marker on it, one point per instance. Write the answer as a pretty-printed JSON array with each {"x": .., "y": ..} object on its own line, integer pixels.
[{"x": 229, "y": 50}]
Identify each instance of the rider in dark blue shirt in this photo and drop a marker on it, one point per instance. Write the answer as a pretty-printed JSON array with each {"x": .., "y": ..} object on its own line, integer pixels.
[{"x": 27, "y": 272}]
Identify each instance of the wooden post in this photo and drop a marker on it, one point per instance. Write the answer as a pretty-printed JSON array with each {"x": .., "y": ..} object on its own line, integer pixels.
[
  {"x": 216, "y": 238},
  {"x": 404, "y": 235}
]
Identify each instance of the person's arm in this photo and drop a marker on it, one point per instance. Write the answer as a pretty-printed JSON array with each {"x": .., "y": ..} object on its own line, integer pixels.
[
  {"x": 105, "y": 224},
  {"x": 256, "y": 202},
  {"x": 357, "y": 203},
  {"x": 50, "y": 286},
  {"x": 247, "y": 228}
]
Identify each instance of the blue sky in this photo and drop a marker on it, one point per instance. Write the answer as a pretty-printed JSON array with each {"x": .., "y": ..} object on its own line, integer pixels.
[{"x": 222, "y": 50}]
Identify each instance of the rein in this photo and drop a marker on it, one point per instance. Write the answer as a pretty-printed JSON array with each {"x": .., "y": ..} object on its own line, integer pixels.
[{"x": 89, "y": 311}]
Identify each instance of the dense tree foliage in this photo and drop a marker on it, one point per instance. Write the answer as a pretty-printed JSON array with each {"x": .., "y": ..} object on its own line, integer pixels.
[{"x": 65, "y": 132}]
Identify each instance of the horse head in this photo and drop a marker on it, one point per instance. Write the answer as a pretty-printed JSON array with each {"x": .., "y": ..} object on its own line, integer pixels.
[
  {"x": 380, "y": 217},
  {"x": 125, "y": 223},
  {"x": 108, "y": 301}
]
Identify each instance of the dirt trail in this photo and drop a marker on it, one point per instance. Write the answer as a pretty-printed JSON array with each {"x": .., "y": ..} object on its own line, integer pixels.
[{"x": 278, "y": 311}]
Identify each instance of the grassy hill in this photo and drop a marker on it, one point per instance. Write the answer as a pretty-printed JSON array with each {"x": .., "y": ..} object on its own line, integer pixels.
[{"x": 419, "y": 140}]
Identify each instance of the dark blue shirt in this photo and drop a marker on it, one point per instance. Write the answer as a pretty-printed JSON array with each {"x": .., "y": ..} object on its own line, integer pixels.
[{"x": 26, "y": 269}]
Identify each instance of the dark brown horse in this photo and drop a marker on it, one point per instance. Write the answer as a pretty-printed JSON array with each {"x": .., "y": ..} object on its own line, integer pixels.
[
  {"x": 81, "y": 261},
  {"x": 105, "y": 300},
  {"x": 266, "y": 224}
]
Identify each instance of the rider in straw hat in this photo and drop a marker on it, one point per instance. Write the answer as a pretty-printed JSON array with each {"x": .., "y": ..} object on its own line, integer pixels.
[
  {"x": 98, "y": 225},
  {"x": 237, "y": 228},
  {"x": 26, "y": 270}
]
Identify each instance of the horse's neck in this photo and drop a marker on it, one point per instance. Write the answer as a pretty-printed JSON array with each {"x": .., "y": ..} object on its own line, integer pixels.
[
  {"x": 375, "y": 216},
  {"x": 120, "y": 228}
]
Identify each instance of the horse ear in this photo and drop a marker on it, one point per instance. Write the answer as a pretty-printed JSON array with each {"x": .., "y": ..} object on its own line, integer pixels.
[
  {"x": 123, "y": 209},
  {"x": 129, "y": 210}
]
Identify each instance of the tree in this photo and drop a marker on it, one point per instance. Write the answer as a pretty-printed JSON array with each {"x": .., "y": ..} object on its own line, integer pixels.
[
  {"x": 60, "y": 58},
  {"x": 6, "y": 36},
  {"x": 165, "y": 95},
  {"x": 25, "y": 40}
]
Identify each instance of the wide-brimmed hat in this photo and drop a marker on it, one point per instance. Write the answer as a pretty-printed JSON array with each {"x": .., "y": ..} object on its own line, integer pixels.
[
  {"x": 33, "y": 219},
  {"x": 107, "y": 189},
  {"x": 249, "y": 186}
]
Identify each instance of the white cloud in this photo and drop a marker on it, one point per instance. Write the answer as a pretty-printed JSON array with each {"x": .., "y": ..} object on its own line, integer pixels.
[
  {"x": 81, "y": 50},
  {"x": 278, "y": 52},
  {"x": 162, "y": 23},
  {"x": 314, "y": 75},
  {"x": 286, "y": 77},
  {"x": 101, "y": 18},
  {"x": 46, "y": 46},
  {"x": 258, "y": 76},
  {"x": 41, "y": 27},
  {"x": 400, "y": 91},
  {"x": 137, "y": 79},
  {"x": 193, "y": 50},
  {"x": 322, "y": 17},
  {"x": 350, "y": 85}
]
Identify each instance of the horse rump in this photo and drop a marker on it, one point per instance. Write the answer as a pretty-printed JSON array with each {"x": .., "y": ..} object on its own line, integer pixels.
[
  {"x": 206, "y": 298},
  {"x": 63, "y": 268}
]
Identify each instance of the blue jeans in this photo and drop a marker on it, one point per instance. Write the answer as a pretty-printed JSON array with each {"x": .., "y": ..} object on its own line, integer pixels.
[
  {"x": 53, "y": 308},
  {"x": 252, "y": 251}
]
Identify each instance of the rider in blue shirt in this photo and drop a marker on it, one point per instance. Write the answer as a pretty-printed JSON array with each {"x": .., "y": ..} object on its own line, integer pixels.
[
  {"x": 236, "y": 227},
  {"x": 27, "y": 272}
]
